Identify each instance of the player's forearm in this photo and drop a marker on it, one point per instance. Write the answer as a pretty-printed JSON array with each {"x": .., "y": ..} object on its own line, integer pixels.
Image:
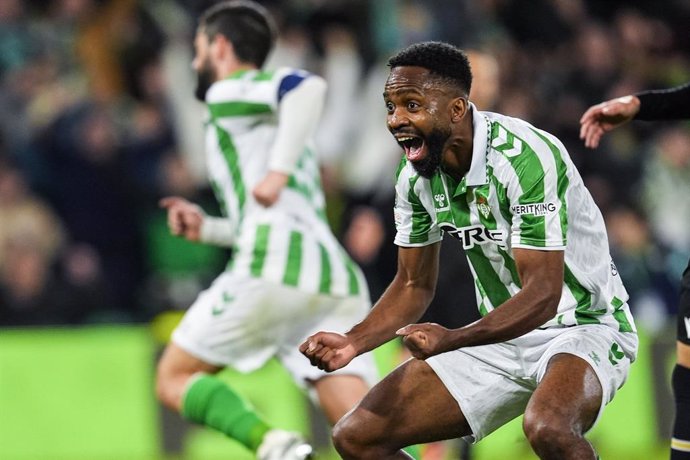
[
  {"x": 669, "y": 104},
  {"x": 402, "y": 304},
  {"x": 526, "y": 311}
]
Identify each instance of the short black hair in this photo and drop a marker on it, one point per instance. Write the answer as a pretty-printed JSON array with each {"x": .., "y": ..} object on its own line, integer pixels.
[
  {"x": 442, "y": 59},
  {"x": 246, "y": 24}
]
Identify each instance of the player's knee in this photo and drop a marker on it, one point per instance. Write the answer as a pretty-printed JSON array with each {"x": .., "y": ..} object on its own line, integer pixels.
[
  {"x": 544, "y": 433},
  {"x": 354, "y": 440},
  {"x": 167, "y": 390},
  {"x": 345, "y": 437},
  {"x": 162, "y": 387}
]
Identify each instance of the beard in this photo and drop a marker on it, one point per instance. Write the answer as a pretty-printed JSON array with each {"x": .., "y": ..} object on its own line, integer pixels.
[
  {"x": 205, "y": 78},
  {"x": 427, "y": 167}
]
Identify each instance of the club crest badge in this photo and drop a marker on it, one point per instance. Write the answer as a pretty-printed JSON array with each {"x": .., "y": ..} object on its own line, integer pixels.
[{"x": 483, "y": 206}]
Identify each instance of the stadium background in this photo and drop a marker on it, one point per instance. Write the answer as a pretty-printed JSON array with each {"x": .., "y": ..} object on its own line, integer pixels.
[{"x": 97, "y": 122}]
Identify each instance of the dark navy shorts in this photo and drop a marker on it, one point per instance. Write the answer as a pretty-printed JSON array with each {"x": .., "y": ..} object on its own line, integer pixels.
[{"x": 684, "y": 308}]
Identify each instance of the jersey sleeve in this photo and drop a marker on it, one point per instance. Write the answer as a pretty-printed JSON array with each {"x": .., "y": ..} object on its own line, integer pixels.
[
  {"x": 298, "y": 116},
  {"x": 415, "y": 220},
  {"x": 536, "y": 183},
  {"x": 668, "y": 104}
]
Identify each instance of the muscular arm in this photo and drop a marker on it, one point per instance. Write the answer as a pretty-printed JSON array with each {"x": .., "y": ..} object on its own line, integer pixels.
[
  {"x": 541, "y": 273},
  {"x": 668, "y": 104},
  {"x": 404, "y": 301}
]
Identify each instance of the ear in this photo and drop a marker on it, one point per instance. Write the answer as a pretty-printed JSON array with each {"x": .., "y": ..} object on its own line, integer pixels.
[
  {"x": 221, "y": 47},
  {"x": 458, "y": 109}
]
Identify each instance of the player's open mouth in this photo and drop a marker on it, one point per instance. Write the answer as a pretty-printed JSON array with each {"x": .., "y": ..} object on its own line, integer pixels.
[{"x": 414, "y": 147}]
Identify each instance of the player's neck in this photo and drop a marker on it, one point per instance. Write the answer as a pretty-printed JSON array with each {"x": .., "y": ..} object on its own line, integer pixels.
[{"x": 230, "y": 67}]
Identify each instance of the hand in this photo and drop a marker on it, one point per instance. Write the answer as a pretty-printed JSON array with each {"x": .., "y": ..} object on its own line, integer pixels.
[
  {"x": 425, "y": 340},
  {"x": 328, "y": 350},
  {"x": 602, "y": 118},
  {"x": 268, "y": 190},
  {"x": 184, "y": 218}
]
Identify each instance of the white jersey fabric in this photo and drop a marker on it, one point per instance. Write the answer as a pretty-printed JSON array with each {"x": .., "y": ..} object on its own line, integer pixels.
[
  {"x": 290, "y": 242},
  {"x": 522, "y": 191},
  {"x": 288, "y": 277}
]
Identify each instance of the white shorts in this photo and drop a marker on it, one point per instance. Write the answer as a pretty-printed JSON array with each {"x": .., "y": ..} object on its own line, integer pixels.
[
  {"x": 243, "y": 322},
  {"x": 493, "y": 383}
]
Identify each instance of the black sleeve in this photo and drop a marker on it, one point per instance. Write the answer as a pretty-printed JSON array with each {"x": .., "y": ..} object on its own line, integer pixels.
[{"x": 668, "y": 104}]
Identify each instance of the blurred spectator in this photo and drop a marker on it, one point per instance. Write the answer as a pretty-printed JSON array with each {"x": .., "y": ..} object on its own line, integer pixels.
[
  {"x": 666, "y": 188},
  {"x": 25, "y": 215},
  {"x": 93, "y": 191},
  {"x": 641, "y": 264}
]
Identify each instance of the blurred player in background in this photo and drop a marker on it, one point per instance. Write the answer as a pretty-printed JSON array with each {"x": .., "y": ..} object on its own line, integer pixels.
[
  {"x": 651, "y": 105},
  {"x": 556, "y": 338},
  {"x": 288, "y": 276}
]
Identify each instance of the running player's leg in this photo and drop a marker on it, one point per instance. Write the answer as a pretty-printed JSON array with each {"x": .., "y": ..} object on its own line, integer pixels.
[
  {"x": 229, "y": 324},
  {"x": 188, "y": 385},
  {"x": 680, "y": 444},
  {"x": 338, "y": 394},
  {"x": 340, "y": 391},
  {"x": 563, "y": 407},
  {"x": 410, "y": 406}
]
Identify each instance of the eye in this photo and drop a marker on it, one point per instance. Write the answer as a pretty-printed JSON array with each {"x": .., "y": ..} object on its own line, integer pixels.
[
  {"x": 390, "y": 107},
  {"x": 411, "y": 105}
]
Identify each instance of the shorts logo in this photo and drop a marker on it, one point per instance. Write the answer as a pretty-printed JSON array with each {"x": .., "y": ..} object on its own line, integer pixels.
[
  {"x": 534, "y": 209},
  {"x": 687, "y": 327},
  {"x": 595, "y": 357},
  {"x": 474, "y": 234},
  {"x": 227, "y": 298},
  {"x": 615, "y": 354}
]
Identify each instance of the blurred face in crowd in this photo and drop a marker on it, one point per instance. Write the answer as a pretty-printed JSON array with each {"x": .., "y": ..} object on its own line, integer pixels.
[
  {"x": 418, "y": 116},
  {"x": 202, "y": 64}
]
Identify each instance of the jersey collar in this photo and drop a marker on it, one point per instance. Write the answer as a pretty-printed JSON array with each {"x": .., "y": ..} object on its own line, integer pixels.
[{"x": 480, "y": 149}]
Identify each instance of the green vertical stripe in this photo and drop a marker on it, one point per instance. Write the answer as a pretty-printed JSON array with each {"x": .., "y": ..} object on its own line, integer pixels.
[
  {"x": 232, "y": 160},
  {"x": 620, "y": 316},
  {"x": 483, "y": 311},
  {"x": 401, "y": 166},
  {"x": 502, "y": 197},
  {"x": 421, "y": 220},
  {"x": 325, "y": 281},
  {"x": 220, "y": 197},
  {"x": 352, "y": 276},
  {"x": 294, "y": 260},
  {"x": 562, "y": 184},
  {"x": 495, "y": 290},
  {"x": 487, "y": 280},
  {"x": 510, "y": 265},
  {"x": 530, "y": 174},
  {"x": 260, "y": 250},
  {"x": 583, "y": 314}
]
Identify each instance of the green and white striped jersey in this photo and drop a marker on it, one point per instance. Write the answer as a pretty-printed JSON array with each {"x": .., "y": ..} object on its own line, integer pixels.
[
  {"x": 522, "y": 191},
  {"x": 290, "y": 242}
]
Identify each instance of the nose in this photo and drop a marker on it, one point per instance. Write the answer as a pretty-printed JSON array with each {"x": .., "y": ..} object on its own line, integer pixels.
[{"x": 397, "y": 119}]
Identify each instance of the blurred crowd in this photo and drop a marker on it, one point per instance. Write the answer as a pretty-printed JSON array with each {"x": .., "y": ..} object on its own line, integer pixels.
[{"x": 98, "y": 122}]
